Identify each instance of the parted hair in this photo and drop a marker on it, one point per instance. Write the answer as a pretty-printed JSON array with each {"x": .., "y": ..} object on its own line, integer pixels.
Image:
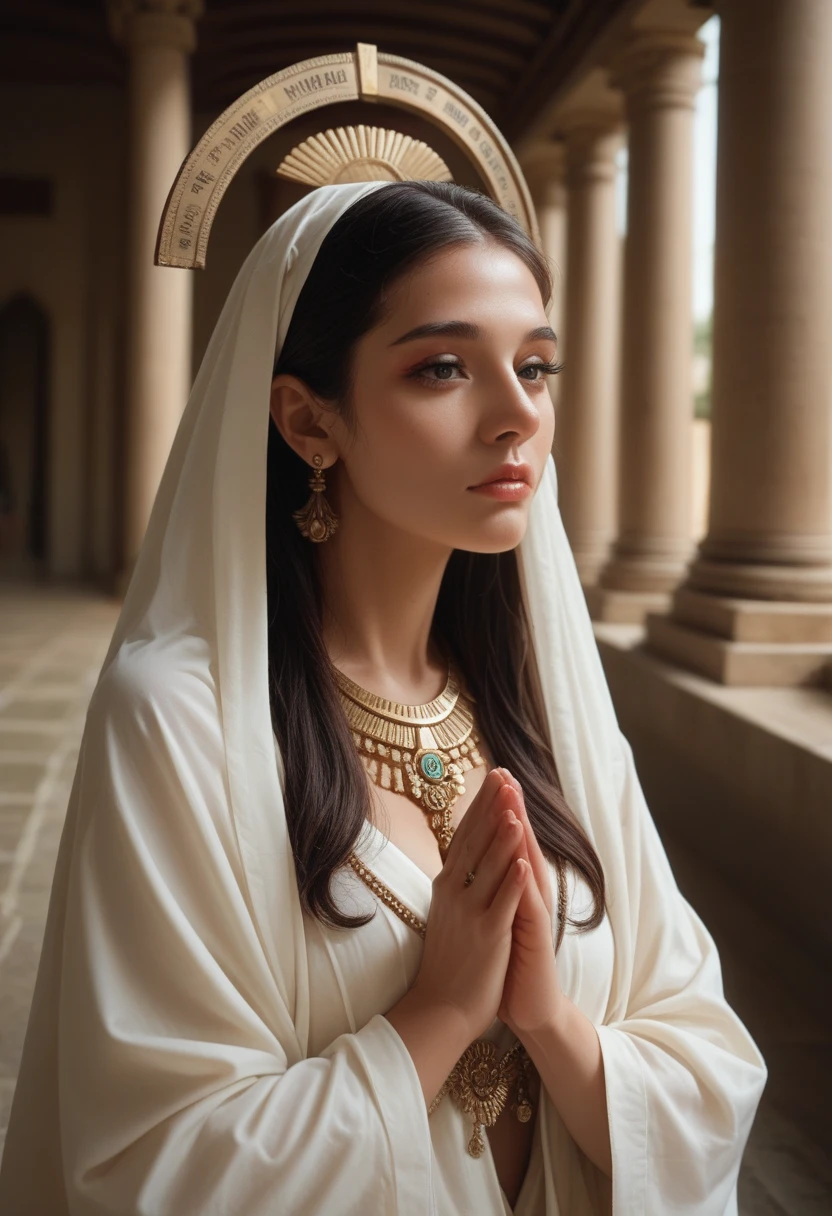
[{"x": 381, "y": 236}]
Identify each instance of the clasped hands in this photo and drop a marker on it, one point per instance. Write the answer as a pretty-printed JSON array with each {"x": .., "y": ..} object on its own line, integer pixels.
[
  {"x": 489, "y": 952},
  {"x": 532, "y": 994}
]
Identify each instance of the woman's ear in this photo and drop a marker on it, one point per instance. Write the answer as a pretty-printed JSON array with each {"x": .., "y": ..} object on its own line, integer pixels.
[{"x": 302, "y": 419}]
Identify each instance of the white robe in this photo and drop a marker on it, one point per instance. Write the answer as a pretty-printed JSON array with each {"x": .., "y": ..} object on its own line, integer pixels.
[{"x": 196, "y": 1045}]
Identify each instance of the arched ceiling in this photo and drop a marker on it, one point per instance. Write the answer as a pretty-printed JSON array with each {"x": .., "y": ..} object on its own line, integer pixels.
[
  {"x": 510, "y": 55},
  {"x": 485, "y": 45}
]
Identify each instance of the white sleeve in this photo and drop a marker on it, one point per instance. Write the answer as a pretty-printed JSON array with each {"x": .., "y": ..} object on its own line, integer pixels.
[
  {"x": 178, "y": 1092},
  {"x": 683, "y": 1075}
]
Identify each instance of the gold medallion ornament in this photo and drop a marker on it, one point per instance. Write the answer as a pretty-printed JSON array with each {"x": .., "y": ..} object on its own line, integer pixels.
[
  {"x": 480, "y": 1083},
  {"x": 421, "y": 751}
]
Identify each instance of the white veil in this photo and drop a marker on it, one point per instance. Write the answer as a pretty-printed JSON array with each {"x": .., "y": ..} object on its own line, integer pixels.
[{"x": 184, "y": 681}]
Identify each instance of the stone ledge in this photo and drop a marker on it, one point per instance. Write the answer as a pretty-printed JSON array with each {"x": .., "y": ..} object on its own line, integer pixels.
[
  {"x": 757, "y": 663},
  {"x": 753, "y": 620},
  {"x": 742, "y": 776}
]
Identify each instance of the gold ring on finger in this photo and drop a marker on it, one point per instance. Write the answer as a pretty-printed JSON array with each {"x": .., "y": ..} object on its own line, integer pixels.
[{"x": 469, "y": 878}]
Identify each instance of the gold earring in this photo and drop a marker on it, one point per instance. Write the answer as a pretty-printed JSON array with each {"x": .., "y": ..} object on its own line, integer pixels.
[{"x": 317, "y": 520}]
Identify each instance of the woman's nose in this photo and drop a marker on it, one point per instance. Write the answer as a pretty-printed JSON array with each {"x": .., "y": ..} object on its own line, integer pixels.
[{"x": 512, "y": 411}]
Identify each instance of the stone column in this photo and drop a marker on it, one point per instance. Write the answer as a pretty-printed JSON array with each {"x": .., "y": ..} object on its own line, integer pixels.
[
  {"x": 544, "y": 168},
  {"x": 659, "y": 73},
  {"x": 159, "y": 36},
  {"x": 757, "y": 605},
  {"x": 586, "y": 417}
]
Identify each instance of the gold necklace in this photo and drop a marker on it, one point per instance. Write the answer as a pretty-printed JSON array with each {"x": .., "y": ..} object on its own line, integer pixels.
[{"x": 421, "y": 751}]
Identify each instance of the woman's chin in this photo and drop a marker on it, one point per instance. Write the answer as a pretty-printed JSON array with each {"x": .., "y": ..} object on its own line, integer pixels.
[{"x": 498, "y": 537}]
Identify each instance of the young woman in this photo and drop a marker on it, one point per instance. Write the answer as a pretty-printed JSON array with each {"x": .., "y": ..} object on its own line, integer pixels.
[{"x": 359, "y": 907}]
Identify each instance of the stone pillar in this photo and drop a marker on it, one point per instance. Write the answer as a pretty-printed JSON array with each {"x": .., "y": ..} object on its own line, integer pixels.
[
  {"x": 757, "y": 605},
  {"x": 659, "y": 73},
  {"x": 544, "y": 168},
  {"x": 586, "y": 418},
  {"x": 159, "y": 36}
]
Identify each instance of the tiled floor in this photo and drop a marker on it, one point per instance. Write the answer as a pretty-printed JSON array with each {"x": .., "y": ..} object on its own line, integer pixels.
[
  {"x": 51, "y": 647},
  {"x": 52, "y": 644}
]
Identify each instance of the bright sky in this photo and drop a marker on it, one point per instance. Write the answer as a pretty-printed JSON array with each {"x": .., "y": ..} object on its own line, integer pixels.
[{"x": 704, "y": 176}]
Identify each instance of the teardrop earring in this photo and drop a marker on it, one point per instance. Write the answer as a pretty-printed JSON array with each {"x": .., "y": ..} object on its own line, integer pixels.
[{"x": 316, "y": 520}]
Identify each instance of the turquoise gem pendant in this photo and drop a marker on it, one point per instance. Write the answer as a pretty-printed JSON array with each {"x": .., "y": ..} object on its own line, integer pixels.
[
  {"x": 432, "y": 766},
  {"x": 436, "y": 782}
]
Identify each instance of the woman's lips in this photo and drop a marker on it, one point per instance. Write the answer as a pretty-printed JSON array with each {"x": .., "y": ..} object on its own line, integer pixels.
[{"x": 506, "y": 491}]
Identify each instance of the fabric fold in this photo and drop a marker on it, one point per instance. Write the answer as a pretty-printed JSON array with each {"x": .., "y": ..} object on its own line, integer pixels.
[{"x": 172, "y": 1001}]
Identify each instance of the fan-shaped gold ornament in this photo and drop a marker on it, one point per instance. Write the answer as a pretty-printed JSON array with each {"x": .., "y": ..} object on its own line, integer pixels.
[{"x": 362, "y": 154}]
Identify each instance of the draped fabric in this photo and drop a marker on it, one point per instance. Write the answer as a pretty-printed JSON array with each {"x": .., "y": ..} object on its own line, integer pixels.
[{"x": 196, "y": 1044}]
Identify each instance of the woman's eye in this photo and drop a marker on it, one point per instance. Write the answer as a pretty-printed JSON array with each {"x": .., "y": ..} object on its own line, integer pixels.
[
  {"x": 541, "y": 370},
  {"x": 443, "y": 370}
]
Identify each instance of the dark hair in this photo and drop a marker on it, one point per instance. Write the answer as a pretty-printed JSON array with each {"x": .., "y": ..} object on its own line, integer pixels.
[{"x": 382, "y": 235}]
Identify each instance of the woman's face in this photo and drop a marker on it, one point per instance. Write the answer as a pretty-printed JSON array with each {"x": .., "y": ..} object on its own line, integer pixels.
[{"x": 446, "y": 389}]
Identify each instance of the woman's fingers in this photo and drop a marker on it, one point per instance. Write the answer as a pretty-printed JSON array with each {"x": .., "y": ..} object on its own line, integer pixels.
[
  {"x": 539, "y": 864},
  {"x": 509, "y": 893},
  {"x": 490, "y": 869},
  {"x": 474, "y": 847},
  {"x": 486, "y": 794},
  {"x": 477, "y": 822}
]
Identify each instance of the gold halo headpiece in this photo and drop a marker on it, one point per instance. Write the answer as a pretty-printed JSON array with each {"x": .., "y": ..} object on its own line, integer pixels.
[{"x": 345, "y": 154}]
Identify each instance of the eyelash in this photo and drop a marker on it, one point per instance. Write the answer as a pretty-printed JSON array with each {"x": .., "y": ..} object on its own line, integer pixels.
[{"x": 546, "y": 369}]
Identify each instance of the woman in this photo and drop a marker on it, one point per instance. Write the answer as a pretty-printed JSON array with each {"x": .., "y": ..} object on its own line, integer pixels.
[{"x": 341, "y": 795}]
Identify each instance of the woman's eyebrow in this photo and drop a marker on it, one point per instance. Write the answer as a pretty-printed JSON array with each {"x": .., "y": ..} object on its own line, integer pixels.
[{"x": 466, "y": 329}]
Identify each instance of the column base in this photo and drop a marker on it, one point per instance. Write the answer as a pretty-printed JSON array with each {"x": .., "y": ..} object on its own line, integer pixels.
[
  {"x": 651, "y": 573},
  {"x": 624, "y": 607},
  {"x": 745, "y": 642},
  {"x": 752, "y": 580}
]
